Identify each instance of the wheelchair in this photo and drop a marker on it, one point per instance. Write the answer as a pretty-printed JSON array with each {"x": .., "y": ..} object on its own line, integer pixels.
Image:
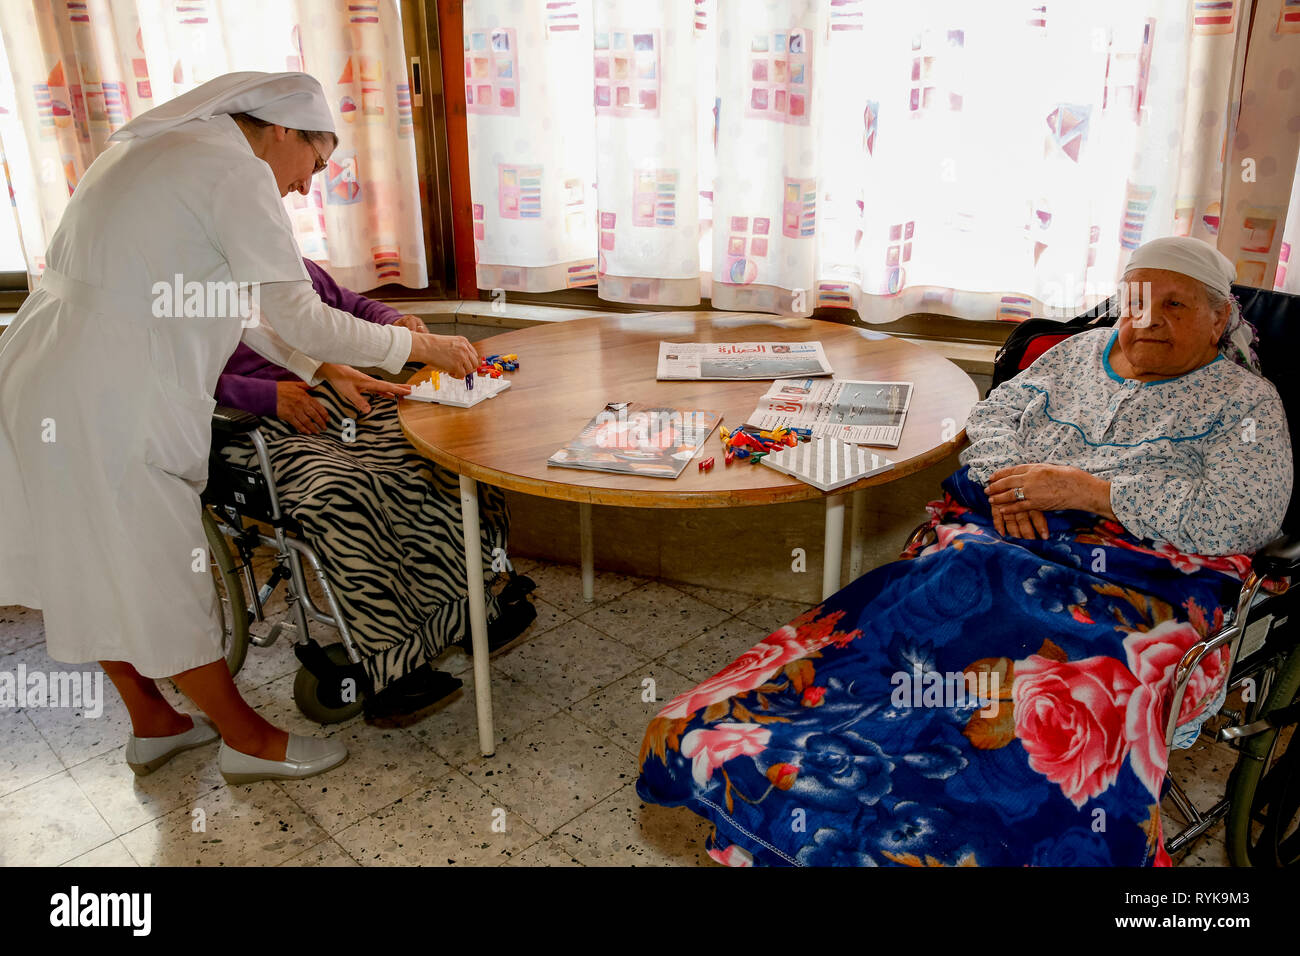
[
  {"x": 1261, "y": 805},
  {"x": 240, "y": 507}
]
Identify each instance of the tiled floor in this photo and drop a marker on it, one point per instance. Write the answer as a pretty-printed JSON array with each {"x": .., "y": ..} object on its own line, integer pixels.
[{"x": 558, "y": 792}]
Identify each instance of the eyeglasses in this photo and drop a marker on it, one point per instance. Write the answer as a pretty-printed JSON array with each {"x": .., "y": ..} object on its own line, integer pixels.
[{"x": 320, "y": 163}]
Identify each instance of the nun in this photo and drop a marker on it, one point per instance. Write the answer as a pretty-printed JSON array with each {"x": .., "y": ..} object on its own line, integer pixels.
[{"x": 106, "y": 384}]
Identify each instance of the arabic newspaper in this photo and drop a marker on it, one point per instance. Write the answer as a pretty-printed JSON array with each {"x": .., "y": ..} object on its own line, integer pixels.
[
  {"x": 862, "y": 413},
  {"x": 740, "y": 361}
]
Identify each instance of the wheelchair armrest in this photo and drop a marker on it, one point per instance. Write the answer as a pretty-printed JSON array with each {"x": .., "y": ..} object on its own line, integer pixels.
[
  {"x": 233, "y": 421},
  {"x": 1279, "y": 558}
]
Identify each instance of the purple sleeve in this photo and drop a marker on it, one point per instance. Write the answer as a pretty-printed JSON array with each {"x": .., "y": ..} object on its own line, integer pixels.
[
  {"x": 346, "y": 300},
  {"x": 249, "y": 394}
]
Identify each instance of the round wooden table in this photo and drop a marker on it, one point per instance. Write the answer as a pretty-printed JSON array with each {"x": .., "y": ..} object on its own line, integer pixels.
[{"x": 570, "y": 370}]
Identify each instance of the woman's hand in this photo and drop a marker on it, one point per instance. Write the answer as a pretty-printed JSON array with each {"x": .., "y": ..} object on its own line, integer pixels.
[
  {"x": 1047, "y": 488},
  {"x": 1020, "y": 524},
  {"x": 449, "y": 353},
  {"x": 350, "y": 383},
  {"x": 295, "y": 406},
  {"x": 412, "y": 322}
]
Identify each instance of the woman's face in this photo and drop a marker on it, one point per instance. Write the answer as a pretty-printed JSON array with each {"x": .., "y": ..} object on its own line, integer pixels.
[
  {"x": 1166, "y": 326},
  {"x": 293, "y": 158}
]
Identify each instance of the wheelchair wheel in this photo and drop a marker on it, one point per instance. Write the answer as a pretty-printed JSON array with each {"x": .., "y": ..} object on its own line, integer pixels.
[
  {"x": 231, "y": 607},
  {"x": 1264, "y": 820},
  {"x": 318, "y": 703}
]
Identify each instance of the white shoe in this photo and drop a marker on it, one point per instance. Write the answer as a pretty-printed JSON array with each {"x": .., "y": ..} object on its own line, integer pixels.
[
  {"x": 144, "y": 755},
  {"x": 303, "y": 757}
]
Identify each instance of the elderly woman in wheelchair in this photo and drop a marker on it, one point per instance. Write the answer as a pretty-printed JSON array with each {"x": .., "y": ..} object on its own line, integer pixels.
[
  {"x": 342, "y": 487},
  {"x": 1006, "y": 694}
]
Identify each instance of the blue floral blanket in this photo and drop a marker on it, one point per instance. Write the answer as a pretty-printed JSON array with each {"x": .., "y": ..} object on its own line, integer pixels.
[{"x": 983, "y": 701}]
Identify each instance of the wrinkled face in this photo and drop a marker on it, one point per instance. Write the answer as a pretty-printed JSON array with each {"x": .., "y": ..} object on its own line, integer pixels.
[
  {"x": 293, "y": 158},
  {"x": 1166, "y": 325}
]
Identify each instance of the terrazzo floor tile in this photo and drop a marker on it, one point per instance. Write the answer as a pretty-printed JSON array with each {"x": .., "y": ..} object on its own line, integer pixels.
[
  {"x": 1203, "y": 771},
  {"x": 48, "y": 823},
  {"x": 457, "y": 662},
  {"x": 25, "y": 757},
  {"x": 620, "y": 711},
  {"x": 382, "y": 765},
  {"x": 72, "y": 732},
  {"x": 253, "y": 825},
  {"x": 548, "y": 852},
  {"x": 771, "y": 613},
  {"x": 733, "y": 602},
  {"x": 452, "y": 731},
  {"x": 561, "y": 585},
  {"x": 265, "y": 664},
  {"x": 328, "y": 853},
  {"x": 450, "y": 823},
  {"x": 569, "y": 663},
  {"x": 713, "y": 650},
  {"x": 20, "y": 628},
  {"x": 110, "y": 854},
  {"x": 654, "y": 618},
  {"x": 623, "y": 830},
  {"x": 553, "y": 771},
  {"x": 127, "y": 801},
  {"x": 549, "y": 615}
]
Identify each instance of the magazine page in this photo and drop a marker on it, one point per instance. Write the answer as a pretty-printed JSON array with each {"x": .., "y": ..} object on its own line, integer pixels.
[
  {"x": 740, "y": 361},
  {"x": 863, "y": 413},
  {"x": 654, "y": 442}
]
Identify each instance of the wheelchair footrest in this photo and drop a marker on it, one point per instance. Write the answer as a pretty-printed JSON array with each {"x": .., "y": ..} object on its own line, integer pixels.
[
  {"x": 1275, "y": 720},
  {"x": 331, "y": 675}
]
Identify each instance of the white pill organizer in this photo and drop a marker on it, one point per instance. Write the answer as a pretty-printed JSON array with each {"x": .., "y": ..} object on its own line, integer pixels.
[{"x": 452, "y": 391}]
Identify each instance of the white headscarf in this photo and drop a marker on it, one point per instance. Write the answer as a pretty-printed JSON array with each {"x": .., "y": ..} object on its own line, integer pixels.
[
  {"x": 291, "y": 100},
  {"x": 1187, "y": 256},
  {"x": 1201, "y": 261}
]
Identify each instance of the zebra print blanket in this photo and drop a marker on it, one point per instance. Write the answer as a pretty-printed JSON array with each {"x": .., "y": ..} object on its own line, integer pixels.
[{"x": 386, "y": 524}]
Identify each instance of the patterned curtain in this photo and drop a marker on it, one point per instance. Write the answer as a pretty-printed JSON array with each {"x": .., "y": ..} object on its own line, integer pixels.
[
  {"x": 989, "y": 160},
  {"x": 1260, "y": 183},
  {"x": 73, "y": 71}
]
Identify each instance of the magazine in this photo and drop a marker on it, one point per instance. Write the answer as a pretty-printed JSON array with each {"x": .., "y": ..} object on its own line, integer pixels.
[
  {"x": 740, "y": 361},
  {"x": 653, "y": 442},
  {"x": 863, "y": 413}
]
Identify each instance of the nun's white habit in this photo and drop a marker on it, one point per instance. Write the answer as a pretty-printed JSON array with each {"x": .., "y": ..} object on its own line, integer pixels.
[{"x": 105, "y": 385}]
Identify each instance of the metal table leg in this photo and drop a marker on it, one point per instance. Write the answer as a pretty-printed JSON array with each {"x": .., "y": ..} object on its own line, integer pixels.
[
  {"x": 588, "y": 552},
  {"x": 832, "y": 550},
  {"x": 477, "y": 613}
]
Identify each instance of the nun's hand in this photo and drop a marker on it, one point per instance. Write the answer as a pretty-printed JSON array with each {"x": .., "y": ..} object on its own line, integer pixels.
[
  {"x": 350, "y": 384},
  {"x": 449, "y": 353},
  {"x": 299, "y": 409}
]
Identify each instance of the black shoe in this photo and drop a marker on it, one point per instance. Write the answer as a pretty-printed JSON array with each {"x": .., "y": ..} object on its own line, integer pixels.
[
  {"x": 510, "y": 623},
  {"x": 410, "y": 694},
  {"x": 516, "y": 589}
]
